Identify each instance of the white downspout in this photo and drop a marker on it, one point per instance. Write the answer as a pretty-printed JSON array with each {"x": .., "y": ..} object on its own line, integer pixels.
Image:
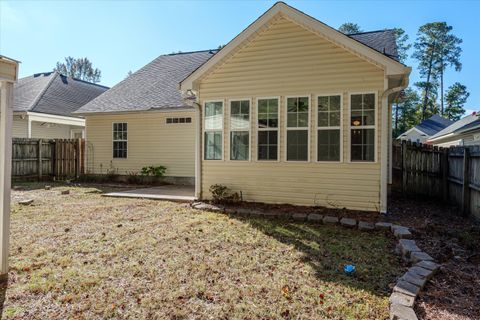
[
  {"x": 29, "y": 127},
  {"x": 385, "y": 144}
]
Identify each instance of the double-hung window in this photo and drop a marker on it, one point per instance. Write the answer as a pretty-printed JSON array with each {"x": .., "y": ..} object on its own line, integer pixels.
[
  {"x": 328, "y": 131},
  {"x": 297, "y": 128},
  {"x": 362, "y": 127},
  {"x": 213, "y": 123},
  {"x": 240, "y": 130},
  {"x": 267, "y": 129},
  {"x": 120, "y": 140}
]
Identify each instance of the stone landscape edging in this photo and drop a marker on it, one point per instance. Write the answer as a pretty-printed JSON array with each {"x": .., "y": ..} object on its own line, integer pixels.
[{"x": 407, "y": 287}]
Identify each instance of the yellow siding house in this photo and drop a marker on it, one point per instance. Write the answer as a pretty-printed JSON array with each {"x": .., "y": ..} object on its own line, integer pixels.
[{"x": 289, "y": 111}]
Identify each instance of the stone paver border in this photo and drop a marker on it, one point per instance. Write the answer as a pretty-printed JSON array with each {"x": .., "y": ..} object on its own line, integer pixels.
[{"x": 408, "y": 286}]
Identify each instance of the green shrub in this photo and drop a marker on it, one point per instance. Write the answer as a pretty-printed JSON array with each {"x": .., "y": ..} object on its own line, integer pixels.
[
  {"x": 222, "y": 194},
  {"x": 152, "y": 171}
]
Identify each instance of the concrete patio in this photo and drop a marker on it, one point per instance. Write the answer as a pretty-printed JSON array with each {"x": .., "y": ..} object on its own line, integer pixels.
[{"x": 168, "y": 192}]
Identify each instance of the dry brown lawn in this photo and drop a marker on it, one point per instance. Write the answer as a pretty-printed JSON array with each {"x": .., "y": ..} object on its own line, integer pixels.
[{"x": 84, "y": 256}]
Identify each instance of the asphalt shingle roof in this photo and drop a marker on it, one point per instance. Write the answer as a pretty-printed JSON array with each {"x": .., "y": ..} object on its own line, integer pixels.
[
  {"x": 155, "y": 86},
  {"x": 383, "y": 41},
  {"x": 53, "y": 93},
  {"x": 456, "y": 126},
  {"x": 433, "y": 124}
]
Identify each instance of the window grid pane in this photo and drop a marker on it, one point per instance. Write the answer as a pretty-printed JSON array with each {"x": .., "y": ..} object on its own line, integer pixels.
[
  {"x": 119, "y": 148},
  {"x": 297, "y": 112},
  {"x": 362, "y": 135},
  {"x": 329, "y": 111},
  {"x": 240, "y": 115},
  {"x": 213, "y": 145},
  {"x": 268, "y": 113},
  {"x": 213, "y": 115},
  {"x": 297, "y": 145},
  {"x": 239, "y": 145},
  {"x": 328, "y": 145},
  {"x": 268, "y": 145}
]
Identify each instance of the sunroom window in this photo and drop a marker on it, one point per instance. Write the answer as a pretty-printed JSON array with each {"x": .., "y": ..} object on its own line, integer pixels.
[
  {"x": 213, "y": 123},
  {"x": 240, "y": 130},
  {"x": 297, "y": 129},
  {"x": 362, "y": 131},
  {"x": 328, "y": 131},
  {"x": 267, "y": 129}
]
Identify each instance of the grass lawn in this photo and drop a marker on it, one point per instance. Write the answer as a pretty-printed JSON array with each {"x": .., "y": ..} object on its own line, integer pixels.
[{"x": 83, "y": 256}]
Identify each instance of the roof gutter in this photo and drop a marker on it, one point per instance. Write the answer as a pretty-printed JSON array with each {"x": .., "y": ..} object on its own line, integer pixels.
[{"x": 385, "y": 143}]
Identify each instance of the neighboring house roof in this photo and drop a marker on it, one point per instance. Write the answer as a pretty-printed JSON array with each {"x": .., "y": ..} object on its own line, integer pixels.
[
  {"x": 383, "y": 41},
  {"x": 53, "y": 93},
  {"x": 475, "y": 125},
  {"x": 433, "y": 125},
  {"x": 455, "y": 127},
  {"x": 155, "y": 86}
]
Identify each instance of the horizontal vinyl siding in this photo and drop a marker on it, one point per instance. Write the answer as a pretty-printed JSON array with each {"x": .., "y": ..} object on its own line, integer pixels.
[
  {"x": 51, "y": 131},
  {"x": 287, "y": 60},
  {"x": 151, "y": 142},
  {"x": 19, "y": 128}
]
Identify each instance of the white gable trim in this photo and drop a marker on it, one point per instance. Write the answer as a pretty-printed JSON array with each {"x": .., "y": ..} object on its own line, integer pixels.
[
  {"x": 412, "y": 129},
  {"x": 390, "y": 66}
]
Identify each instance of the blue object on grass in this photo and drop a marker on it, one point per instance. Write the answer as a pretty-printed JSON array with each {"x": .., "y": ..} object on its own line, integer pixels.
[{"x": 349, "y": 269}]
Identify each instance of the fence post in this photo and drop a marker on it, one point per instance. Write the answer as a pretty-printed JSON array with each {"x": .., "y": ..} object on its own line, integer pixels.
[
  {"x": 77, "y": 158},
  {"x": 445, "y": 182},
  {"x": 466, "y": 182},
  {"x": 404, "y": 166},
  {"x": 40, "y": 143}
]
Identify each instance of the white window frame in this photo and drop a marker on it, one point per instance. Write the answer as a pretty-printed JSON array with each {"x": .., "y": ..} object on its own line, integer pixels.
[
  {"x": 308, "y": 128},
  {"x": 258, "y": 129},
  {"x": 329, "y": 128},
  {"x": 375, "y": 127},
  {"x": 250, "y": 108},
  {"x": 213, "y": 130},
  {"x": 113, "y": 140}
]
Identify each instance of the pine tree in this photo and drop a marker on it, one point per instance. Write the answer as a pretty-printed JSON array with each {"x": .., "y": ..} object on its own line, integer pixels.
[
  {"x": 455, "y": 99},
  {"x": 349, "y": 28},
  {"x": 402, "y": 44},
  {"x": 80, "y": 68}
]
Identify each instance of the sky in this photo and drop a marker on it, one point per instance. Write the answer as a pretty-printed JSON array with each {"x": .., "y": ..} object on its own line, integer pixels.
[{"x": 123, "y": 36}]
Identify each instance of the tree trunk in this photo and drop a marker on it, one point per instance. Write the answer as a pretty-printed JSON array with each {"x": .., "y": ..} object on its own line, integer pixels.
[
  {"x": 427, "y": 85},
  {"x": 441, "y": 88}
]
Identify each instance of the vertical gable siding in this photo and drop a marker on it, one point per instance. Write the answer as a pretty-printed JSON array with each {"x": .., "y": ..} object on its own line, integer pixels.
[{"x": 287, "y": 60}]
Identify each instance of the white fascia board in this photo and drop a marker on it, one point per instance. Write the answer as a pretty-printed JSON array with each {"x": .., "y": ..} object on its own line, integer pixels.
[
  {"x": 391, "y": 66},
  {"x": 44, "y": 117}
]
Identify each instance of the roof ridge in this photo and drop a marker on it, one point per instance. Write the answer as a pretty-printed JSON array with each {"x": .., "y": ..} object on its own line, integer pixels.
[
  {"x": 81, "y": 80},
  {"x": 373, "y": 31},
  {"x": 188, "y": 52},
  {"x": 41, "y": 94}
]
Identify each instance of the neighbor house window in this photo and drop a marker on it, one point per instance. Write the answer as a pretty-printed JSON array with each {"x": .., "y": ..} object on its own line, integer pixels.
[
  {"x": 328, "y": 131},
  {"x": 120, "y": 140},
  {"x": 297, "y": 129},
  {"x": 267, "y": 129},
  {"x": 362, "y": 131},
  {"x": 240, "y": 130},
  {"x": 213, "y": 130}
]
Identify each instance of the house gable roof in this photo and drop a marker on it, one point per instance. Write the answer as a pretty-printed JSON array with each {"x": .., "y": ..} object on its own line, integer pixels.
[
  {"x": 454, "y": 127},
  {"x": 433, "y": 125},
  {"x": 153, "y": 87},
  {"x": 53, "y": 93},
  {"x": 351, "y": 43}
]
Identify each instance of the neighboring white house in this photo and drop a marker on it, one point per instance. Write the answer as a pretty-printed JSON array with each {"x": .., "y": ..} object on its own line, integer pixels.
[
  {"x": 427, "y": 128},
  {"x": 464, "y": 132},
  {"x": 44, "y": 102}
]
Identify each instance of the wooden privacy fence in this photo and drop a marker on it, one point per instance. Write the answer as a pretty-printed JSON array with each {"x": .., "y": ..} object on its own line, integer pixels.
[
  {"x": 451, "y": 174},
  {"x": 48, "y": 159}
]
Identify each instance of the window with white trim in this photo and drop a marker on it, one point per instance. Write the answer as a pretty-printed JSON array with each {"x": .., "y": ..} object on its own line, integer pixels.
[
  {"x": 120, "y": 140},
  {"x": 328, "y": 130},
  {"x": 267, "y": 126},
  {"x": 240, "y": 130},
  {"x": 213, "y": 123},
  {"x": 297, "y": 129},
  {"x": 362, "y": 127}
]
